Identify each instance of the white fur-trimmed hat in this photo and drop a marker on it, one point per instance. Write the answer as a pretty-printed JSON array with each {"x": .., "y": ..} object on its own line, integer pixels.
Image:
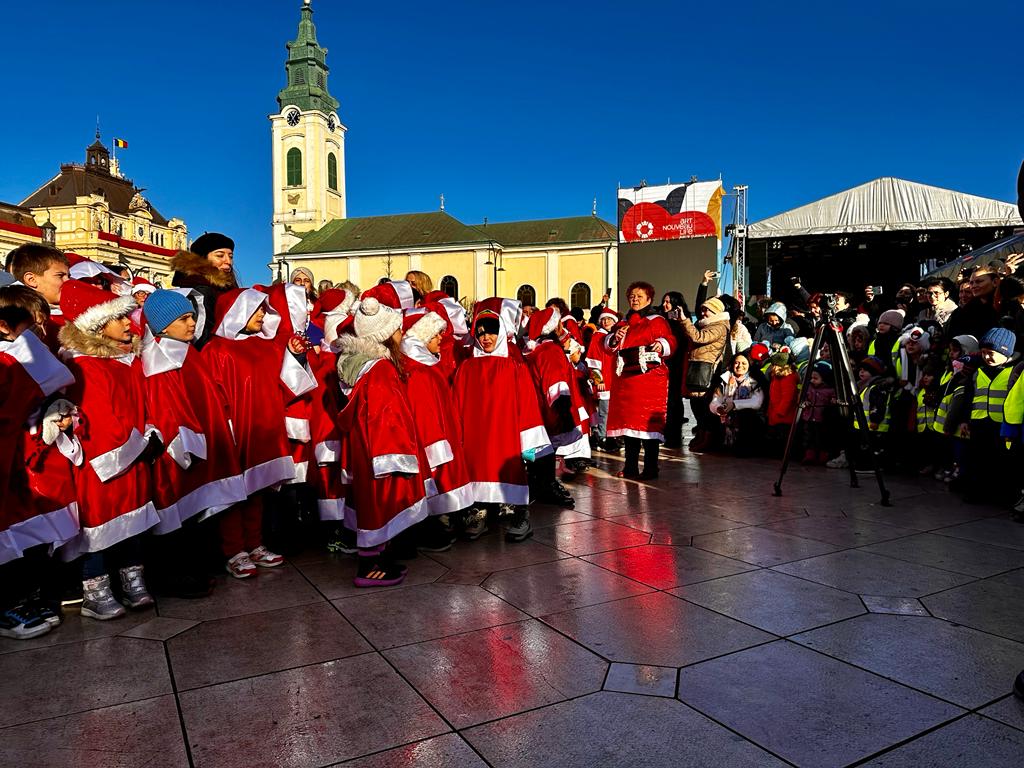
[
  {"x": 375, "y": 321},
  {"x": 423, "y": 324},
  {"x": 90, "y": 308}
]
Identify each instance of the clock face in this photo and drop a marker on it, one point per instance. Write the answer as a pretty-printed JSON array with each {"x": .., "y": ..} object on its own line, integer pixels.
[
  {"x": 331, "y": 124},
  {"x": 292, "y": 117}
]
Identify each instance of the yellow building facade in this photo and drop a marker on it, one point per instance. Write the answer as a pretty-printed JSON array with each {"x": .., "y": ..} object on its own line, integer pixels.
[{"x": 99, "y": 214}]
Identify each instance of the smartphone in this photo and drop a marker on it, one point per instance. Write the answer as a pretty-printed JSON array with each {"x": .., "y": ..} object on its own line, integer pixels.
[
  {"x": 715, "y": 275},
  {"x": 877, "y": 289}
]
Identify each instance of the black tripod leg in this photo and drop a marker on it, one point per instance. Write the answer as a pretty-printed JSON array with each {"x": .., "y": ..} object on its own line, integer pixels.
[{"x": 787, "y": 453}]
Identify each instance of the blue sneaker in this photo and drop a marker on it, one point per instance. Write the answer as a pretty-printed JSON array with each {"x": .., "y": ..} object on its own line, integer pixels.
[{"x": 19, "y": 624}]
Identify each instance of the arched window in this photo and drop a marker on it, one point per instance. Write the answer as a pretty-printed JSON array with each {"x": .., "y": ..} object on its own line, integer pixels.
[
  {"x": 294, "y": 159},
  {"x": 332, "y": 171},
  {"x": 450, "y": 286},
  {"x": 579, "y": 296},
  {"x": 527, "y": 295}
]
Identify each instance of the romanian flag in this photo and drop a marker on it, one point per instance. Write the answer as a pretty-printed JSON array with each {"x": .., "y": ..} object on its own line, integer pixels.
[{"x": 120, "y": 143}]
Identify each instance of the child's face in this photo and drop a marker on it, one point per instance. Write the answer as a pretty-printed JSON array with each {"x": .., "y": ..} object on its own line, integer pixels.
[
  {"x": 913, "y": 347},
  {"x": 607, "y": 323},
  {"x": 926, "y": 380},
  {"x": 825, "y": 352},
  {"x": 774, "y": 321},
  {"x": 119, "y": 330},
  {"x": 740, "y": 366},
  {"x": 816, "y": 380},
  {"x": 255, "y": 324},
  {"x": 434, "y": 345},
  {"x": 863, "y": 375},
  {"x": 487, "y": 341},
  {"x": 140, "y": 297},
  {"x": 859, "y": 341},
  {"x": 182, "y": 329},
  {"x": 955, "y": 351},
  {"x": 883, "y": 327},
  {"x": 48, "y": 282},
  {"x": 991, "y": 357}
]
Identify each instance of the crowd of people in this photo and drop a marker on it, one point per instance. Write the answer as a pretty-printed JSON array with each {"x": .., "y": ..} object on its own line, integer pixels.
[{"x": 153, "y": 433}]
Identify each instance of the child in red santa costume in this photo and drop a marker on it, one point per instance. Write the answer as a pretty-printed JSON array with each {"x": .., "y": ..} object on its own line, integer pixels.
[
  {"x": 437, "y": 423},
  {"x": 601, "y": 362},
  {"x": 30, "y": 526},
  {"x": 455, "y": 339},
  {"x": 382, "y": 460},
  {"x": 502, "y": 426},
  {"x": 560, "y": 401},
  {"x": 199, "y": 473},
  {"x": 255, "y": 376},
  {"x": 118, "y": 445}
]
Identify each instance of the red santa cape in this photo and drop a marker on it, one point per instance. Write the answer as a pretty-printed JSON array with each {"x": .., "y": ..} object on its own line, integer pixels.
[
  {"x": 255, "y": 375},
  {"x": 113, "y": 486},
  {"x": 601, "y": 359},
  {"x": 28, "y": 374},
  {"x": 383, "y": 465},
  {"x": 438, "y": 427},
  {"x": 497, "y": 400},
  {"x": 199, "y": 473},
  {"x": 641, "y": 397}
]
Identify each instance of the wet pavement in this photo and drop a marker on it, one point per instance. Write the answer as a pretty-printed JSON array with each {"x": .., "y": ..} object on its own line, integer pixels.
[{"x": 693, "y": 621}]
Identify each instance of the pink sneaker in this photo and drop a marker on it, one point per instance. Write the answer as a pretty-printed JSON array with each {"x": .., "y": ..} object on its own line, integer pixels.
[
  {"x": 264, "y": 558},
  {"x": 241, "y": 567}
]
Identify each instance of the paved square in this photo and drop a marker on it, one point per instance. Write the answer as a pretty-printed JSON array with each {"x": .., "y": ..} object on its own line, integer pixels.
[{"x": 689, "y": 622}]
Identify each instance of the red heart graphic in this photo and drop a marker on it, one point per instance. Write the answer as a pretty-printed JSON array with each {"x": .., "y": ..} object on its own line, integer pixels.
[
  {"x": 689, "y": 224},
  {"x": 644, "y": 221}
]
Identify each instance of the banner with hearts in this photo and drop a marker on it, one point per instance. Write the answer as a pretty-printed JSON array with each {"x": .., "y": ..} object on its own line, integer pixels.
[{"x": 670, "y": 212}]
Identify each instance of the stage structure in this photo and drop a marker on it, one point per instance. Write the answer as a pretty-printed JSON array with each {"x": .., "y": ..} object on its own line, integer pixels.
[{"x": 668, "y": 235}]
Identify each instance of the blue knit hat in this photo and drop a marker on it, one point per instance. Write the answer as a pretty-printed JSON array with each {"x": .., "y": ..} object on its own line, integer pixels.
[
  {"x": 164, "y": 307},
  {"x": 1001, "y": 340}
]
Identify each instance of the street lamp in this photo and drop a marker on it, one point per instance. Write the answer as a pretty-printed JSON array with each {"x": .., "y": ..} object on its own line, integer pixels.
[{"x": 495, "y": 258}]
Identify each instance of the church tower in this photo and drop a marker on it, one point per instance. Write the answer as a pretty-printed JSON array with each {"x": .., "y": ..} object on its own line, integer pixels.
[{"x": 308, "y": 142}]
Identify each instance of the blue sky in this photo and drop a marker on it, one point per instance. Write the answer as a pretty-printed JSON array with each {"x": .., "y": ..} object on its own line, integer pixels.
[{"x": 520, "y": 110}]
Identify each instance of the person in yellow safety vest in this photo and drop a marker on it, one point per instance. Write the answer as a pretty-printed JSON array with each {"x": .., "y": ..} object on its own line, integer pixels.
[
  {"x": 927, "y": 445},
  {"x": 887, "y": 336},
  {"x": 988, "y": 459},
  {"x": 873, "y": 388}
]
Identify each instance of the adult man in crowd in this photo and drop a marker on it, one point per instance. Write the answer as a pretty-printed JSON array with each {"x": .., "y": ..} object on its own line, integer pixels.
[
  {"x": 939, "y": 306},
  {"x": 978, "y": 315}
]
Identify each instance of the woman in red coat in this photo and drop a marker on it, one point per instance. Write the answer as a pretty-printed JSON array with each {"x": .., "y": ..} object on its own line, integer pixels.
[
  {"x": 637, "y": 411},
  {"x": 381, "y": 457}
]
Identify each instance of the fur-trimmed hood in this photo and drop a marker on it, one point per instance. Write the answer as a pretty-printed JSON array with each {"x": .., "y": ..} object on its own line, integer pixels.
[
  {"x": 718, "y": 317},
  {"x": 74, "y": 339},
  {"x": 191, "y": 270},
  {"x": 354, "y": 354}
]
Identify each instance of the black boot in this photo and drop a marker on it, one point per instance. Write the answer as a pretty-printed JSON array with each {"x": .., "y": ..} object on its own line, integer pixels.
[
  {"x": 651, "y": 448},
  {"x": 631, "y": 469}
]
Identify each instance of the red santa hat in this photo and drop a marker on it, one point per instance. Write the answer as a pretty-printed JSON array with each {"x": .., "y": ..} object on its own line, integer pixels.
[
  {"x": 543, "y": 322},
  {"x": 759, "y": 352},
  {"x": 422, "y": 323},
  {"x": 396, "y": 294},
  {"x": 608, "y": 312},
  {"x": 375, "y": 321},
  {"x": 235, "y": 307},
  {"x": 450, "y": 310},
  {"x": 143, "y": 285},
  {"x": 333, "y": 301},
  {"x": 90, "y": 308},
  {"x": 510, "y": 311},
  {"x": 80, "y": 267}
]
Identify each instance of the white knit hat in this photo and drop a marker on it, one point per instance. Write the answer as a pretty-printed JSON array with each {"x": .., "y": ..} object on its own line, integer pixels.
[
  {"x": 423, "y": 324},
  {"x": 375, "y": 321}
]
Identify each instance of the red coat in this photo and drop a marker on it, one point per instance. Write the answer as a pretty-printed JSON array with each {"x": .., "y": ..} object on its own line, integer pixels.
[
  {"x": 28, "y": 374},
  {"x": 382, "y": 460},
  {"x": 199, "y": 472},
  {"x": 602, "y": 360},
  {"x": 640, "y": 401},
  {"x": 497, "y": 399},
  {"x": 113, "y": 486},
  {"x": 559, "y": 396},
  {"x": 782, "y": 399},
  {"x": 438, "y": 428},
  {"x": 326, "y": 437}
]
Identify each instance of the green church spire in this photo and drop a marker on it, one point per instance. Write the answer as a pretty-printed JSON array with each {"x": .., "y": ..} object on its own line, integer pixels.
[{"x": 306, "y": 69}]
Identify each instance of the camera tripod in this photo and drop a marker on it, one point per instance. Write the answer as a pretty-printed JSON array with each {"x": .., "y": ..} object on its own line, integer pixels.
[{"x": 830, "y": 333}]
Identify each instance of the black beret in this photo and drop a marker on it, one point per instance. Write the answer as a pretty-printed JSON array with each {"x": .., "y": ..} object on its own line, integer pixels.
[{"x": 211, "y": 241}]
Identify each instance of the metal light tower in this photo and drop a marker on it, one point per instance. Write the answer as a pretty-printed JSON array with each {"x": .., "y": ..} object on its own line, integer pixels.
[{"x": 739, "y": 243}]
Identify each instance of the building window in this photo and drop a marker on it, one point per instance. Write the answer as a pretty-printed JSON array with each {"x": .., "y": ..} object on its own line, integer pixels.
[
  {"x": 527, "y": 296},
  {"x": 300, "y": 77},
  {"x": 579, "y": 296},
  {"x": 332, "y": 171},
  {"x": 450, "y": 286},
  {"x": 294, "y": 159},
  {"x": 320, "y": 79}
]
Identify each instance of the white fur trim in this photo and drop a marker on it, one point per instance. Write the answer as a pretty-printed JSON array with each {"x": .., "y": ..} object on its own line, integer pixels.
[
  {"x": 116, "y": 461},
  {"x": 406, "y": 463},
  {"x": 297, "y": 429},
  {"x": 98, "y": 315},
  {"x": 535, "y": 438},
  {"x": 297, "y": 377},
  {"x": 557, "y": 390},
  {"x": 492, "y": 492},
  {"x": 552, "y": 323},
  {"x": 451, "y": 501},
  {"x": 215, "y": 496},
  {"x": 185, "y": 445},
  {"x": 46, "y": 370},
  {"x": 53, "y": 528},
  {"x": 107, "y": 534},
  {"x": 268, "y": 474},
  {"x": 439, "y": 453},
  {"x": 405, "y": 519},
  {"x": 327, "y": 452},
  {"x": 427, "y": 327},
  {"x": 637, "y": 434}
]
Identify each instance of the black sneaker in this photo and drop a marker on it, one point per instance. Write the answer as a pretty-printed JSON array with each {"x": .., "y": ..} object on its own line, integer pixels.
[
  {"x": 48, "y": 610},
  {"x": 435, "y": 539},
  {"x": 519, "y": 528},
  {"x": 19, "y": 624},
  {"x": 557, "y": 494}
]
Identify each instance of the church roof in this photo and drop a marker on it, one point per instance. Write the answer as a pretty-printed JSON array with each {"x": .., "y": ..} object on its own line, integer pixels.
[
  {"x": 399, "y": 231},
  {"x": 573, "y": 229},
  {"x": 306, "y": 69},
  {"x": 78, "y": 180},
  {"x": 404, "y": 231}
]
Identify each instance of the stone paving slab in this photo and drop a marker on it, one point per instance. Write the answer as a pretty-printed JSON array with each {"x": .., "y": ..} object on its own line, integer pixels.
[{"x": 972, "y": 741}]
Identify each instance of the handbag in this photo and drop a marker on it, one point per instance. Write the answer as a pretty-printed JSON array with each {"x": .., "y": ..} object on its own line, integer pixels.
[{"x": 698, "y": 375}]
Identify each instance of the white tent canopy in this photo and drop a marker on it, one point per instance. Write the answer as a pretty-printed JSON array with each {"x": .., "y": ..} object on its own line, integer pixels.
[{"x": 886, "y": 205}]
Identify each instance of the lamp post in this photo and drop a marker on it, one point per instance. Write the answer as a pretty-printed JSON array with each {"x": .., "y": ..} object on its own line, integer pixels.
[
  {"x": 49, "y": 232},
  {"x": 496, "y": 259}
]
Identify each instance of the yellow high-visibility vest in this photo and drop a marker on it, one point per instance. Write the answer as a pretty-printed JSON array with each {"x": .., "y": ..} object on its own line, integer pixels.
[
  {"x": 990, "y": 395},
  {"x": 927, "y": 415},
  {"x": 864, "y": 404}
]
